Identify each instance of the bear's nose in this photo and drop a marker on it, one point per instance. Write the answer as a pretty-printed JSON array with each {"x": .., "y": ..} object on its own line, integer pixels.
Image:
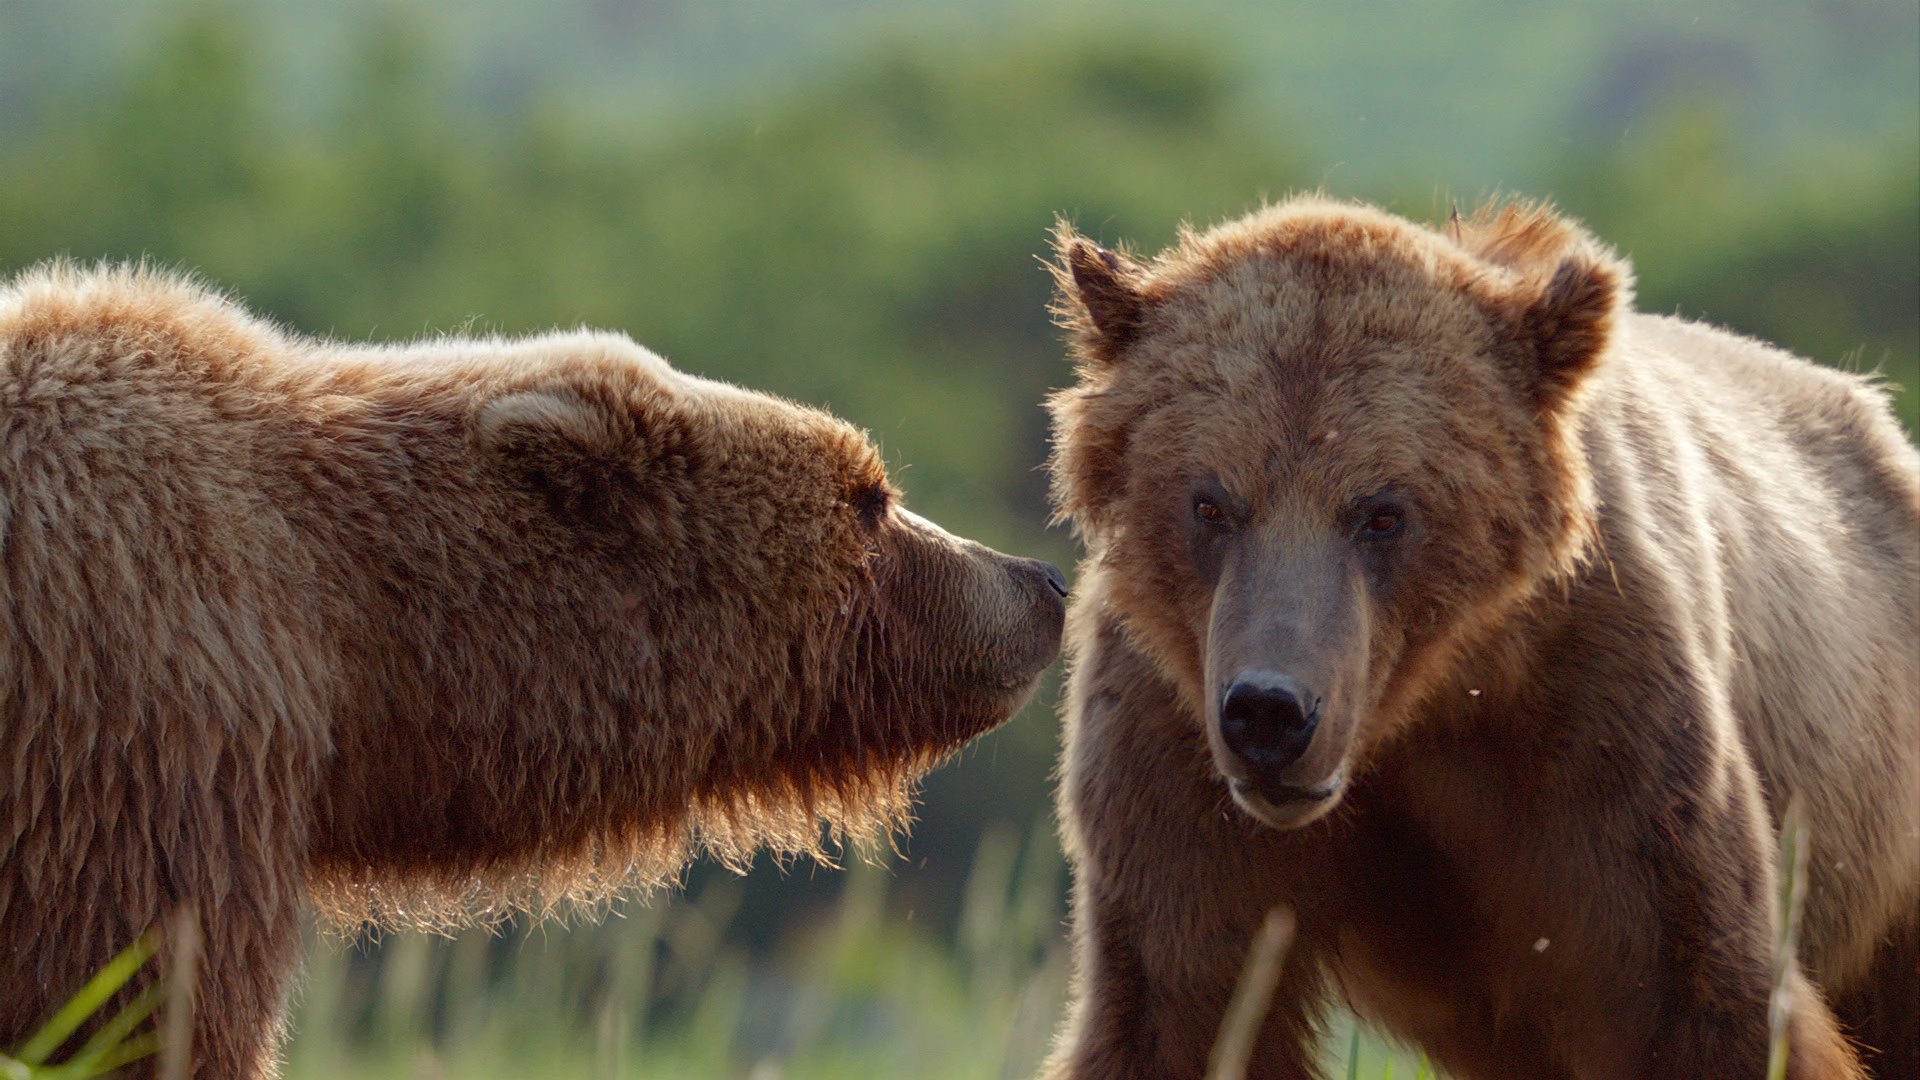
[
  {"x": 1033, "y": 572},
  {"x": 1267, "y": 719},
  {"x": 1055, "y": 578}
]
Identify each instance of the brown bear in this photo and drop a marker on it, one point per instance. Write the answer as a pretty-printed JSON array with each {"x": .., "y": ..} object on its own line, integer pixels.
[
  {"x": 1433, "y": 593},
  {"x": 430, "y": 631}
]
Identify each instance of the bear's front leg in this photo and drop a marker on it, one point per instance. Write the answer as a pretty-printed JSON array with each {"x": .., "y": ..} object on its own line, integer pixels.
[
  {"x": 1147, "y": 1006},
  {"x": 1718, "y": 929},
  {"x": 1678, "y": 928},
  {"x": 1171, "y": 885},
  {"x": 249, "y": 959}
]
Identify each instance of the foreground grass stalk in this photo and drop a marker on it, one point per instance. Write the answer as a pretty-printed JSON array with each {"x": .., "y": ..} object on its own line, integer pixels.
[
  {"x": 90, "y": 1000},
  {"x": 176, "y": 1020},
  {"x": 1793, "y": 889},
  {"x": 114, "y": 1045},
  {"x": 1252, "y": 997},
  {"x": 114, "y": 1033}
]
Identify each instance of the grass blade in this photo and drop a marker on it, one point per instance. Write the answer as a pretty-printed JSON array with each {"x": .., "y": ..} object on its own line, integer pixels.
[
  {"x": 176, "y": 1021},
  {"x": 115, "y": 1031},
  {"x": 1252, "y": 997},
  {"x": 1793, "y": 889},
  {"x": 91, "y": 998},
  {"x": 142, "y": 1045}
]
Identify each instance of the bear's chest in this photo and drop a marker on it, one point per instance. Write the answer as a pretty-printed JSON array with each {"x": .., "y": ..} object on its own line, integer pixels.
[
  {"x": 1421, "y": 941},
  {"x": 1454, "y": 1016}
]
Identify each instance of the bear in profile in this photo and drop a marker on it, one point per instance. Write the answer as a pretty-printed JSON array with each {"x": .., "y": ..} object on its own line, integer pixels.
[
  {"x": 1490, "y": 626},
  {"x": 424, "y": 633}
]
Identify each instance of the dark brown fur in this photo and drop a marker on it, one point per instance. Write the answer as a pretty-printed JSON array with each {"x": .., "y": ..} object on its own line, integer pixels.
[
  {"x": 431, "y": 633},
  {"x": 1654, "y": 579}
]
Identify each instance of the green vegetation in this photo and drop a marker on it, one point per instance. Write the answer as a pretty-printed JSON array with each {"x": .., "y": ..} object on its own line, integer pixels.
[
  {"x": 848, "y": 209},
  {"x": 117, "y": 1041},
  {"x": 658, "y": 993}
]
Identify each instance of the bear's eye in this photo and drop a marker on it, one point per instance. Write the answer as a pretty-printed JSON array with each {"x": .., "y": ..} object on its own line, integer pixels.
[
  {"x": 1382, "y": 522},
  {"x": 1208, "y": 512},
  {"x": 871, "y": 503}
]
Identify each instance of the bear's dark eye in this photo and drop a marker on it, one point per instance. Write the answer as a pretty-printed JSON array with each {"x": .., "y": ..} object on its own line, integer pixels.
[
  {"x": 1381, "y": 519},
  {"x": 1208, "y": 512},
  {"x": 1382, "y": 524},
  {"x": 871, "y": 503}
]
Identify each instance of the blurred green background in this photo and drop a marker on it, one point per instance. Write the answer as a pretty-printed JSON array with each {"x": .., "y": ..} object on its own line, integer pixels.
[{"x": 845, "y": 202}]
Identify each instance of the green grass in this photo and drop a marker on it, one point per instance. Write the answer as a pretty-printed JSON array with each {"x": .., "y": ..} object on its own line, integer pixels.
[
  {"x": 655, "y": 990},
  {"x": 112, "y": 1044}
]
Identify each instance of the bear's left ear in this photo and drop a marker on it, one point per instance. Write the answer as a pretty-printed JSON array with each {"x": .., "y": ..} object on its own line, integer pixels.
[
  {"x": 1569, "y": 320},
  {"x": 579, "y": 449},
  {"x": 1097, "y": 295}
]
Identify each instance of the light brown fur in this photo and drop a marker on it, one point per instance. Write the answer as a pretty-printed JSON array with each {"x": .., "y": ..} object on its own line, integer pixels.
[
  {"x": 1649, "y": 580},
  {"x": 433, "y": 632}
]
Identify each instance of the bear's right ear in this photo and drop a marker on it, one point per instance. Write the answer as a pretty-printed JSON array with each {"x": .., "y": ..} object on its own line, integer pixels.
[
  {"x": 578, "y": 450},
  {"x": 1565, "y": 299},
  {"x": 1570, "y": 317},
  {"x": 1097, "y": 294}
]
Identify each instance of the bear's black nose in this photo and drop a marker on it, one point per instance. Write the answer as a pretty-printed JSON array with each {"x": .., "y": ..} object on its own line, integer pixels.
[
  {"x": 1055, "y": 578},
  {"x": 1267, "y": 719}
]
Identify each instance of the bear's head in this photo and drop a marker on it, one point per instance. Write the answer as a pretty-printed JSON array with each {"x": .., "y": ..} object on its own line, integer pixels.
[
  {"x": 654, "y": 613},
  {"x": 789, "y": 604},
  {"x": 1315, "y": 451}
]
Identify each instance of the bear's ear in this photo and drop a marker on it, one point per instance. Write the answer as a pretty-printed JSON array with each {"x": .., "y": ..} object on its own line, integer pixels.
[
  {"x": 1568, "y": 319},
  {"x": 580, "y": 450},
  {"x": 1097, "y": 294}
]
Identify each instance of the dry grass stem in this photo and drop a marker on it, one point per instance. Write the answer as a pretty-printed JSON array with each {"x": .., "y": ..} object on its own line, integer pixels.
[{"x": 1252, "y": 997}]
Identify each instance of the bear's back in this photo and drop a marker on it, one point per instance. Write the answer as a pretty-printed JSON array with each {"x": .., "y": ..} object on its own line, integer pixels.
[
  {"x": 149, "y": 574},
  {"x": 134, "y": 414},
  {"x": 1775, "y": 506}
]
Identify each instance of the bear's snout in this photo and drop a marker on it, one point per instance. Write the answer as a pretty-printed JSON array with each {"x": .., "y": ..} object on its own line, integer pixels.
[
  {"x": 1045, "y": 588},
  {"x": 1046, "y": 573},
  {"x": 1266, "y": 726},
  {"x": 1267, "y": 719}
]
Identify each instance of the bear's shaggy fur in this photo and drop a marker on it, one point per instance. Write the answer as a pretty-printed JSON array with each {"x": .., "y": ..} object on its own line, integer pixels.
[
  {"x": 1579, "y": 597},
  {"x": 434, "y": 631}
]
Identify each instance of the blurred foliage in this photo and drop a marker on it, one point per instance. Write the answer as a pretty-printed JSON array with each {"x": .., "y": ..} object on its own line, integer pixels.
[
  {"x": 1824, "y": 260},
  {"x": 874, "y": 236},
  {"x": 660, "y": 993},
  {"x": 866, "y": 237}
]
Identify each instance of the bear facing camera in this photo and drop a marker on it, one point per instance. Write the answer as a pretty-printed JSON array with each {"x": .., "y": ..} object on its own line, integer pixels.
[
  {"x": 1490, "y": 626},
  {"x": 432, "y": 632}
]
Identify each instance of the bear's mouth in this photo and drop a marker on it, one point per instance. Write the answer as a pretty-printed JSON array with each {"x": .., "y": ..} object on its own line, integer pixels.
[
  {"x": 991, "y": 698},
  {"x": 1014, "y": 686},
  {"x": 1285, "y": 806}
]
